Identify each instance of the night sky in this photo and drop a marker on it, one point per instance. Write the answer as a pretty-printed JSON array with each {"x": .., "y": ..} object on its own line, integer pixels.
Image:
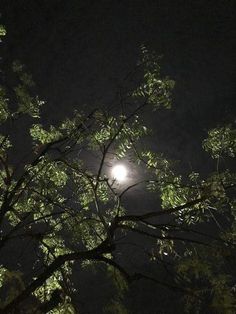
[{"x": 80, "y": 51}]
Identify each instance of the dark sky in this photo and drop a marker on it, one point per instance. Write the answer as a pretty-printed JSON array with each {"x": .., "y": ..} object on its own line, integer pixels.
[{"x": 80, "y": 51}]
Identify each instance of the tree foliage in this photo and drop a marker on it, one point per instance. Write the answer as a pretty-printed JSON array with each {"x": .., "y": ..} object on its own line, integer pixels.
[{"x": 73, "y": 212}]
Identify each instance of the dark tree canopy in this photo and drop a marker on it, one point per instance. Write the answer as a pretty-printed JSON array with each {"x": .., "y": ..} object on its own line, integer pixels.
[{"x": 61, "y": 199}]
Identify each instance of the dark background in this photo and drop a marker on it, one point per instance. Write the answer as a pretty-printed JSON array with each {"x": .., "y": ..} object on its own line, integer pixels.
[{"x": 79, "y": 52}]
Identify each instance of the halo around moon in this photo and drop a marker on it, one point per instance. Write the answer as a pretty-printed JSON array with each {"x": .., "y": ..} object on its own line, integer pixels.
[{"x": 119, "y": 173}]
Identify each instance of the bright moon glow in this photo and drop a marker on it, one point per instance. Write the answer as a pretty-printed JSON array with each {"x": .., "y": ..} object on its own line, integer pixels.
[{"x": 119, "y": 173}]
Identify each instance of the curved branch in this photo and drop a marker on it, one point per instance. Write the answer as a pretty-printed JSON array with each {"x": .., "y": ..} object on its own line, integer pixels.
[
  {"x": 137, "y": 276},
  {"x": 93, "y": 254},
  {"x": 160, "y": 212},
  {"x": 162, "y": 237}
]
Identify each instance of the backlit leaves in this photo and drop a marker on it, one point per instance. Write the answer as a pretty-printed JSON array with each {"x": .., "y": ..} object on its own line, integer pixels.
[
  {"x": 221, "y": 142},
  {"x": 209, "y": 282},
  {"x": 2, "y": 31},
  {"x": 4, "y": 111},
  {"x": 155, "y": 89},
  {"x": 39, "y": 134},
  {"x": 27, "y": 104},
  {"x": 11, "y": 283}
]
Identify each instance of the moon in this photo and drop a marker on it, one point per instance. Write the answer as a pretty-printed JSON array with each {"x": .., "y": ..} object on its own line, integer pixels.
[{"x": 119, "y": 173}]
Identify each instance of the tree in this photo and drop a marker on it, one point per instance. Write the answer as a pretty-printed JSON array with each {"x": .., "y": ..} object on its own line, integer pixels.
[{"x": 72, "y": 210}]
